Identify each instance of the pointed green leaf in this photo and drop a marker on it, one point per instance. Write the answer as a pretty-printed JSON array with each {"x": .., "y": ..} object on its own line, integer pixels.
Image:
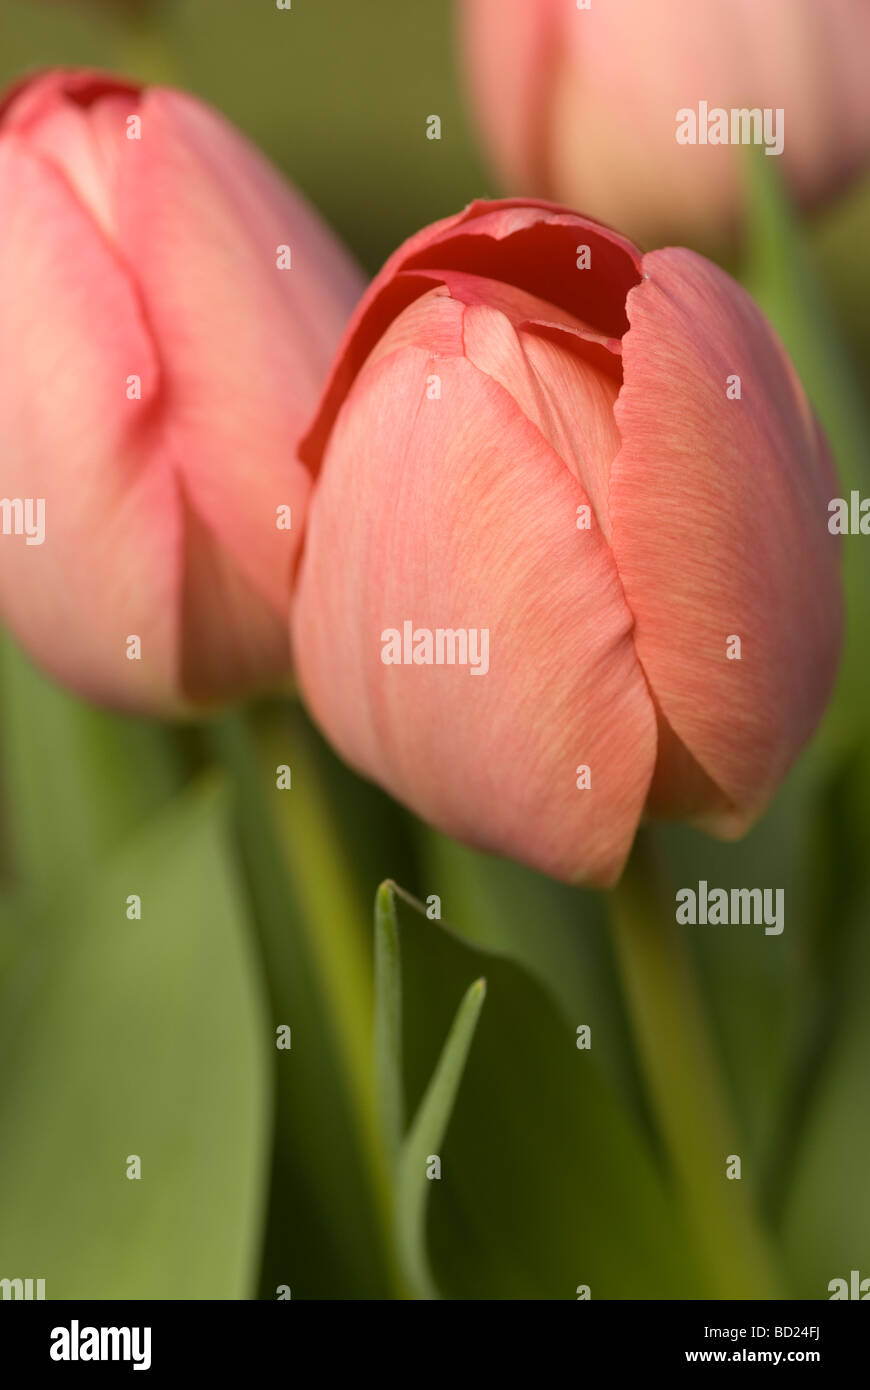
[
  {"x": 388, "y": 1020},
  {"x": 425, "y": 1139},
  {"x": 547, "y": 1181}
]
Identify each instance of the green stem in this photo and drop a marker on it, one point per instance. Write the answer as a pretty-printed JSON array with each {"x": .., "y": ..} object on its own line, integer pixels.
[
  {"x": 682, "y": 1073},
  {"x": 304, "y": 908}
]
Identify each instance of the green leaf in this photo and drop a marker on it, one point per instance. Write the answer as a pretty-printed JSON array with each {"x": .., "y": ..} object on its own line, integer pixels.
[
  {"x": 560, "y": 935},
  {"x": 827, "y": 1216},
  {"x": 123, "y": 1037},
  {"x": 425, "y": 1139},
  {"x": 414, "y": 1152},
  {"x": 547, "y": 1182},
  {"x": 77, "y": 780}
]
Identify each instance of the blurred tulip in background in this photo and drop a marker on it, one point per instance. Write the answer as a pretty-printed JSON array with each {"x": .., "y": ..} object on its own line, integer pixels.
[
  {"x": 170, "y": 308},
  {"x": 580, "y": 103}
]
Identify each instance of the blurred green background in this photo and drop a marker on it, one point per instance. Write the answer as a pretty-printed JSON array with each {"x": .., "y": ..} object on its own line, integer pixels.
[{"x": 265, "y": 1167}]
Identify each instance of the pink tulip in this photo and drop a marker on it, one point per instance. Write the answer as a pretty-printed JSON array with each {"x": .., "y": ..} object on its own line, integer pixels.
[
  {"x": 581, "y": 104},
  {"x": 157, "y": 366},
  {"x": 614, "y": 474}
]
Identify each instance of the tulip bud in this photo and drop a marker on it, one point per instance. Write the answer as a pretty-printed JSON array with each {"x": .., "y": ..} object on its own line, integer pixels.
[
  {"x": 627, "y": 107},
  {"x": 567, "y": 556},
  {"x": 168, "y": 311}
]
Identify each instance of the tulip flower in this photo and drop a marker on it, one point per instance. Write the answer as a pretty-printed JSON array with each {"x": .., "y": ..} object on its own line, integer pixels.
[
  {"x": 170, "y": 307},
  {"x": 567, "y": 558},
  {"x": 619, "y": 107}
]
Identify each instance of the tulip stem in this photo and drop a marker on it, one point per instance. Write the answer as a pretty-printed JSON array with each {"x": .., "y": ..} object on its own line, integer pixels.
[
  {"x": 304, "y": 911},
  {"x": 682, "y": 1073}
]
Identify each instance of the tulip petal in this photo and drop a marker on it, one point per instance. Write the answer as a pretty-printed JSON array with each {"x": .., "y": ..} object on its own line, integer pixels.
[
  {"x": 233, "y": 642},
  {"x": 416, "y": 322},
  {"x": 140, "y": 277},
  {"x": 457, "y": 513},
  {"x": 524, "y": 244},
  {"x": 719, "y": 511},
  {"x": 244, "y": 345},
  {"x": 76, "y": 440},
  {"x": 537, "y": 248},
  {"x": 552, "y": 371}
]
